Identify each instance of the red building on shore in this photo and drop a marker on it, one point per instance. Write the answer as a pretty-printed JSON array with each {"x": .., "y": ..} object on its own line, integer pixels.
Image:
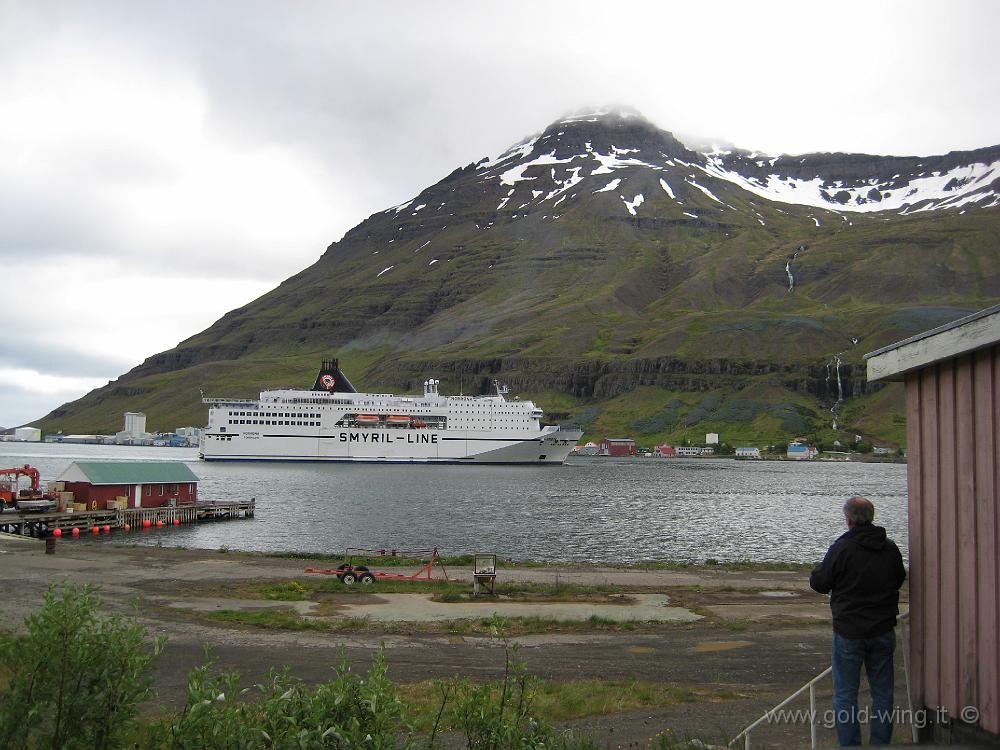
[
  {"x": 618, "y": 447},
  {"x": 99, "y": 484}
]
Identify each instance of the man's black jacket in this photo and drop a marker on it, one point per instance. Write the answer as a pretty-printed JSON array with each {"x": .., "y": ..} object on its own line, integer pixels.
[{"x": 864, "y": 570}]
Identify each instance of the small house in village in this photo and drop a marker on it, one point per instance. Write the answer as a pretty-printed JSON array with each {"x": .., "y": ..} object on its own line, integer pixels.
[
  {"x": 664, "y": 451},
  {"x": 618, "y": 447},
  {"x": 101, "y": 485},
  {"x": 688, "y": 451},
  {"x": 801, "y": 451},
  {"x": 748, "y": 453}
]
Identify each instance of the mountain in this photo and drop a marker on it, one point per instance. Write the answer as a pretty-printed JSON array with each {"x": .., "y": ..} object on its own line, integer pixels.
[{"x": 624, "y": 280}]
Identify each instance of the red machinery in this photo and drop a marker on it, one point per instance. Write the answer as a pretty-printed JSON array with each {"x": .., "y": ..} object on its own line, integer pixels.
[
  {"x": 348, "y": 573},
  {"x": 11, "y": 494}
]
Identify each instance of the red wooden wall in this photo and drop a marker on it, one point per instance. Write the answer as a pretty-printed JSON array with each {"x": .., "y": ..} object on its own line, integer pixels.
[
  {"x": 953, "y": 423},
  {"x": 182, "y": 493}
]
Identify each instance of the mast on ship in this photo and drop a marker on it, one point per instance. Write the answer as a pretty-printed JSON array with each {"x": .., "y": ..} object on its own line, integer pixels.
[{"x": 502, "y": 390}]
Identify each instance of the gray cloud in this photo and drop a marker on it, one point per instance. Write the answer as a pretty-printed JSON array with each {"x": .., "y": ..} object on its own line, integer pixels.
[{"x": 232, "y": 141}]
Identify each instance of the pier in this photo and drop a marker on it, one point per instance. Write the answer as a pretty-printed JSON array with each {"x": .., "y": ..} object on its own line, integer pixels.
[{"x": 42, "y": 524}]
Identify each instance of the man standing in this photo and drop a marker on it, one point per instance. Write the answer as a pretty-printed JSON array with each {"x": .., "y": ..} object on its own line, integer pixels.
[{"x": 864, "y": 570}]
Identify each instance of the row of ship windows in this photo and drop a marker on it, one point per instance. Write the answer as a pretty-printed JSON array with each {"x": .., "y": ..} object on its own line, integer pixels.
[
  {"x": 271, "y": 414},
  {"x": 290, "y": 422},
  {"x": 495, "y": 419},
  {"x": 483, "y": 411},
  {"x": 320, "y": 401}
]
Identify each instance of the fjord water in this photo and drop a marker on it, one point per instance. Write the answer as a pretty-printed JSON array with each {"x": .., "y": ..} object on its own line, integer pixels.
[{"x": 591, "y": 509}]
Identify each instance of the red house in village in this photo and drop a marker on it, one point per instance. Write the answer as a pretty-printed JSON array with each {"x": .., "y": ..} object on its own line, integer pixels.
[
  {"x": 144, "y": 484},
  {"x": 617, "y": 447}
]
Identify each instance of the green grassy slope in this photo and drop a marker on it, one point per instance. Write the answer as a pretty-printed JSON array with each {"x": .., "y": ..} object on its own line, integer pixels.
[{"x": 661, "y": 326}]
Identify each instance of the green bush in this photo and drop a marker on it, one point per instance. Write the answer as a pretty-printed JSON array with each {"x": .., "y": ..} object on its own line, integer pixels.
[
  {"x": 284, "y": 713},
  {"x": 75, "y": 677}
]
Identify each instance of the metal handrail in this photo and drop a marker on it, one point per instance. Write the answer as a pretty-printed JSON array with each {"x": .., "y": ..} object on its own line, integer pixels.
[{"x": 811, "y": 687}]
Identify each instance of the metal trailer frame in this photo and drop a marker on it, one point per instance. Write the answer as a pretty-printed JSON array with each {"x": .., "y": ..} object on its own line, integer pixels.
[{"x": 349, "y": 574}]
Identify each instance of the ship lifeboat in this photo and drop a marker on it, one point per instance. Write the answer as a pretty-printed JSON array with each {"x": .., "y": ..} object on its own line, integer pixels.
[
  {"x": 367, "y": 420},
  {"x": 418, "y": 423},
  {"x": 398, "y": 421}
]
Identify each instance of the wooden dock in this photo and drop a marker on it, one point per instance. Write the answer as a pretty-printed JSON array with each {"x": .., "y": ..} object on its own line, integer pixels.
[{"x": 42, "y": 524}]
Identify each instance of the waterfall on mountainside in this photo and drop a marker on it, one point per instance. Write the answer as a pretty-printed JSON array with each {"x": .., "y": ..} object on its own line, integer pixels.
[
  {"x": 837, "y": 362},
  {"x": 788, "y": 268},
  {"x": 840, "y": 391}
]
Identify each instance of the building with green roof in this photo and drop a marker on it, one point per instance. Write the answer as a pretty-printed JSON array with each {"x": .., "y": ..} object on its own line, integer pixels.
[{"x": 133, "y": 484}]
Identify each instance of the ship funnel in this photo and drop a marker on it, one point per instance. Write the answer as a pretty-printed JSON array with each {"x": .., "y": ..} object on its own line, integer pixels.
[{"x": 332, "y": 380}]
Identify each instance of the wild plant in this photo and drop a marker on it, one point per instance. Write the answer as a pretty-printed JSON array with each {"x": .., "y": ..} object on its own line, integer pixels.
[{"x": 75, "y": 677}]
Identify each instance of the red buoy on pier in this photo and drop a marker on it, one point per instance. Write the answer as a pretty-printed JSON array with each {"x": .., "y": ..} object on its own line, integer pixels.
[
  {"x": 146, "y": 523},
  {"x": 107, "y": 529},
  {"x": 94, "y": 530},
  {"x": 75, "y": 532},
  {"x": 126, "y": 527},
  {"x": 159, "y": 523},
  {"x": 177, "y": 522},
  {"x": 57, "y": 533}
]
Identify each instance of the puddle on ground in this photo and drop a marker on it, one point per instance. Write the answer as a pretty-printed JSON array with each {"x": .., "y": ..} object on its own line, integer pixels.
[
  {"x": 711, "y": 646},
  {"x": 779, "y": 594}
]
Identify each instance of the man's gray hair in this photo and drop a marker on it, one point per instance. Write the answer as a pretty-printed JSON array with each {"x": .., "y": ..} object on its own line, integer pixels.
[{"x": 859, "y": 511}]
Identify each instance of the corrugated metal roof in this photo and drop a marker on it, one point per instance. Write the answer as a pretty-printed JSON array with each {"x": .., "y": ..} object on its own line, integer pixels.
[{"x": 135, "y": 472}]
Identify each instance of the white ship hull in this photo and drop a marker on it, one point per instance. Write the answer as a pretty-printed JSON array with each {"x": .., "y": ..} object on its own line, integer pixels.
[
  {"x": 327, "y": 424},
  {"x": 551, "y": 446}
]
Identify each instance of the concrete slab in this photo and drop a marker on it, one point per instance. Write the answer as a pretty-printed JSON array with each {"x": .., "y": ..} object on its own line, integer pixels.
[
  {"x": 217, "y": 605},
  {"x": 819, "y": 611},
  {"x": 421, "y": 608}
]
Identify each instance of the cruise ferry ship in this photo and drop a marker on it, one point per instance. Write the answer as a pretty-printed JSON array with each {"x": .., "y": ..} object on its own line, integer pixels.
[{"x": 333, "y": 422}]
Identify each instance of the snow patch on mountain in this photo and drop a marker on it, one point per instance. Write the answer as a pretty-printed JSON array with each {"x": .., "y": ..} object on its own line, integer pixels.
[
  {"x": 611, "y": 161},
  {"x": 705, "y": 190},
  {"x": 666, "y": 187},
  {"x": 506, "y": 198},
  {"x": 516, "y": 173},
  {"x": 633, "y": 204},
  {"x": 613, "y": 185},
  {"x": 956, "y": 187},
  {"x": 520, "y": 151},
  {"x": 563, "y": 185}
]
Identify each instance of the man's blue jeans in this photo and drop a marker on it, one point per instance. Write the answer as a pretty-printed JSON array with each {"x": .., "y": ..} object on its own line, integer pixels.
[{"x": 848, "y": 656}]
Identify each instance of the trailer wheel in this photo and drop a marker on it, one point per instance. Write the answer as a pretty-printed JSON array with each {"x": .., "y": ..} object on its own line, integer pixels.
[
  {"x": 367, "y": 578},
  {"x": 348, "y": 578}
]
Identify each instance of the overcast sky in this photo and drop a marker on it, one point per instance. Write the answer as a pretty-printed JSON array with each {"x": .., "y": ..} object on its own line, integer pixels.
[{"x": 162, "y": 163}]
